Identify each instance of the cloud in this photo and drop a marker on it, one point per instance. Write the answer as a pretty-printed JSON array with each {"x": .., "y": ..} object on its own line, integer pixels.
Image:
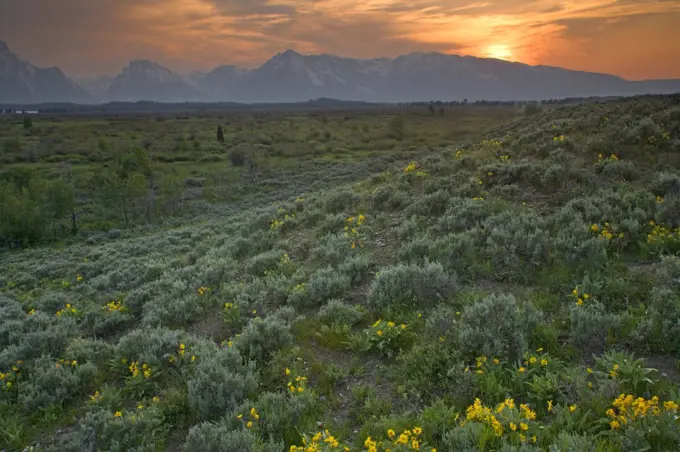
[{"x": 633, "y": 38}]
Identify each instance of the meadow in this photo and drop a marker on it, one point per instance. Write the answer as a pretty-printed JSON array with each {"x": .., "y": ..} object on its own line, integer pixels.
[{"x": 488, "y": 278}]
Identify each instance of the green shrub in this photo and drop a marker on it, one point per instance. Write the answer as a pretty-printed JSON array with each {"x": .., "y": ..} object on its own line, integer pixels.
[
  {"x": 265, "y": 262},
  {"x": 335, "y": 312},
  {"x": 51, "y": 383},
  {"x": 331, "y": 250},
  {"x": 207, "y": 437},
  {"x": 104, "y": 430},
  {"x": 219, "y": 383},
  {"x": 262, "y": 338},
  {"x": 326, "y": 283},
  {"x": 280, "y": 416},
  {"x": 516, "y": 244},
  {"x": 497, "y": 326},
  {"x": 410, "y": 286},
  {"x": 355, "y": 268}
]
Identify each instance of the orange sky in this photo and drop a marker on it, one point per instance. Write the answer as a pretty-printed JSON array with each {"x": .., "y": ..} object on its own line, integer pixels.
[{"x": 635, "y": 39}]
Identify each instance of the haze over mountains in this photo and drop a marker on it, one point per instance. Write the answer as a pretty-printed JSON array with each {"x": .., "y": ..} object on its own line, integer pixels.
[{"x": 291, "y": 77}]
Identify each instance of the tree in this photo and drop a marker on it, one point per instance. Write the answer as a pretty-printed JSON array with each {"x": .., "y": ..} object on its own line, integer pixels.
[
  {"x": 220, "y": 134},
  {"x": 28, "y": 122}
]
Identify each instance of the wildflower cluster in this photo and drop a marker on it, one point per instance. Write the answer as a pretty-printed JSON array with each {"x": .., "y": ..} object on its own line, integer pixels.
[
  {"x": 352, "y": 230},
  {"x": 662, "y": 234},
  {"x": 606, "y": 232},
  {"x": 297, "y": 385},
  {"x": 386, "y": 336},
  {"x": 67, "y": 310},
  {"x": 96, "y": 397},
  {"x": 579, "y": 296},
  {"x": 515, "y": 422},
  {"x": 480, "y": 363},
  {"x": 459, "y": 154},
  {"x": 203, "y": 290},
  {"x": 278, "y": 224},
  {"x": 504, "y": 158},
  {"x": 612, "y": 158},
  {"x": 251, "y": 418},
  {"x": 536, "y": 359},
  {"x": 492, "y": 145},
  {"x": 115, "y": 306},
  {"x": 627, "y": 409},
  {"x": 558, "y": 139},
  {"x": 413, "y": 167},
  {"x": 478, "y": 198},
  {"x": 409, "y": 439},
  {"x": 321, "y": 441},
  {"x": 10, "y": 377},
  {"x": 232, "y": 314},
  {"x": 61, "y": 362},
  {"x": 134, "y": 370}
]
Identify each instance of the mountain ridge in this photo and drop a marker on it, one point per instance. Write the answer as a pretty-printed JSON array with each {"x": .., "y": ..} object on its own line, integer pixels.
[
  {"x": 289, "y": 76},
  {"x": 21, "y": 81}
]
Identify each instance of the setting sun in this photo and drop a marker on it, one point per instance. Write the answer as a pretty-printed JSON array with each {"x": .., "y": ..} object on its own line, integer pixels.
[{"x": 501, "y": 52}]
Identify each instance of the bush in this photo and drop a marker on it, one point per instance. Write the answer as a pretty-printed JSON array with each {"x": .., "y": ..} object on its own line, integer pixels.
[
  {"x": 516, "y": 244},
  {"x": 237, "y": 156},
  {"x": 207, "y": 437},
  {"x": 262, "y": 338},
  {"x": 497, "y": 326},
  {"x": 327, "y": 283},
  {"x": 103, "y": 430},
  {"x": 220, "y": 383},
  {"x": 335, "y": 312},
  {"x": 53, "y": 383},
  {"x": 280, "y": 415},
  {"x": 592, "y": 328},
  {"x": 410, "y": 286}
]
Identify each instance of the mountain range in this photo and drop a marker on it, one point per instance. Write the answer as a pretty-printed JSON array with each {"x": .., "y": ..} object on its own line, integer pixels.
[{"x": 292, "y": 77}]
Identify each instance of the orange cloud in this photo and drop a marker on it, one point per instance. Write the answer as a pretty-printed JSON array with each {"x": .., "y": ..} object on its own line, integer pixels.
[{"x": 632, "y": 38}]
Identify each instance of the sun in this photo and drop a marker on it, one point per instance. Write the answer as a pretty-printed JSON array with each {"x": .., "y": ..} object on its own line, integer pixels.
[{"x": 499, "y": 51}]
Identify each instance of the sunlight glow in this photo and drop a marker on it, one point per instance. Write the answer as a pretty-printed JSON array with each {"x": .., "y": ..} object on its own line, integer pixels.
[{"x": 501, "y": 52}]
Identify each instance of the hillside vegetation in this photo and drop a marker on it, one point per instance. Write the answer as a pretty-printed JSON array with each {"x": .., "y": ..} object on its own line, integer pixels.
[{"x": 510, "y": 285}]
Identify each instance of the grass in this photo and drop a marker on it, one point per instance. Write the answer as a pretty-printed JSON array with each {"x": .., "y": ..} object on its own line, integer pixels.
[{"x": 477, "y": 281}]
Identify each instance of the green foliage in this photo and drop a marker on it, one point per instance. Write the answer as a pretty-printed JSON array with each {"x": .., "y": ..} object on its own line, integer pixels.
[
  {"x": 513, "y": 262},
  {"x": 207, "y": 437},
  {"x": 497, "y": 326},
  {"x": 262, "y": 338},
  {"x": 335, "y": 312},
  {"x": 220, "y": 382},
  {"x": 411, "y": 286}
]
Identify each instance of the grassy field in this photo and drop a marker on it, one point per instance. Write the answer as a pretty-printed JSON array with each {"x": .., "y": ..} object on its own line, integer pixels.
[{"x": 364, "y": 281}]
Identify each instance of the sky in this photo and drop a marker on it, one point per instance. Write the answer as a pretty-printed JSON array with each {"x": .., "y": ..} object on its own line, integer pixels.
[{"x": 635, "y": 39}]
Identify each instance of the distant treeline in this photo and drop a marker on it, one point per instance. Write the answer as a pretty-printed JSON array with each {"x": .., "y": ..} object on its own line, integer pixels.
[{"x": 316, "y": 104}]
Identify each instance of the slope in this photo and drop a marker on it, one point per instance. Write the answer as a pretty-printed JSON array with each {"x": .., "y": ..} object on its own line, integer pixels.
[{"x": 506, "y": 284}]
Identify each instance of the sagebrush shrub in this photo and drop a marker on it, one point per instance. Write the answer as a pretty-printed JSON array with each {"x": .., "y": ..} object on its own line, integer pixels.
[
  {"x": 411, "y": 286},
  {"x": 331, "y": 250},
  {"x": 336, "y": 312},
  {"x": 209, "y": 437},
  {"x": 516, "y": 244},
  {"x": 280, "y": 415},
  {"x": 219, "y": 383},
  {"x": 497, "y": 326},
  {"x": 327, "y": 283},
  {"x": 54, "y": 383},
  {"x": 261, "y": 338}
]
